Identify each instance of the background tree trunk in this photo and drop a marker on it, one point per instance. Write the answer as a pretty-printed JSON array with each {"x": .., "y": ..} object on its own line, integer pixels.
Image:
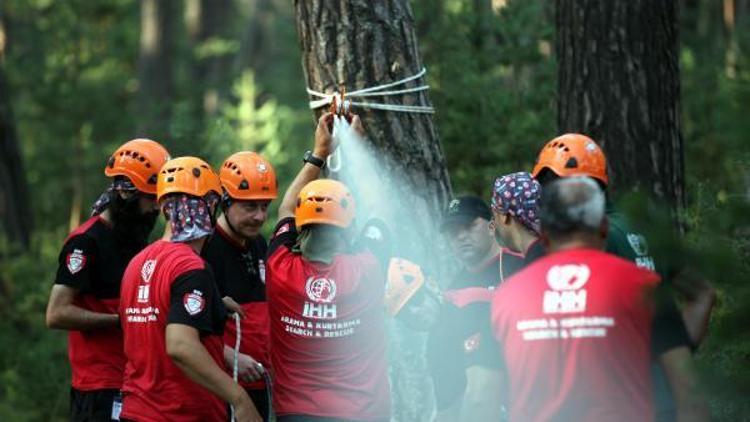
[
  {"x": 255, "y": 42},
  {"x": 15, "y": 213},
  {"x": 155, "y": 75},
  {"x": 358, "y": 44},
  {"x": 210, "y": 31},
  {"x": 618, "y": 81}
]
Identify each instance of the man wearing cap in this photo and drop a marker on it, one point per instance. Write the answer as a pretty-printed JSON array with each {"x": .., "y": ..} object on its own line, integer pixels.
[
  {"x": 86, "y": 293},
  {"x": 462, "y": 358}
]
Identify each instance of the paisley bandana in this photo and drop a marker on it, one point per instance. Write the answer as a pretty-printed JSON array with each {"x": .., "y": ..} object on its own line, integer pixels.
[
  {"x": 190, "y": 217},
  {"x": 119, "y": 184},
  {"x": 518, "y": 194}
]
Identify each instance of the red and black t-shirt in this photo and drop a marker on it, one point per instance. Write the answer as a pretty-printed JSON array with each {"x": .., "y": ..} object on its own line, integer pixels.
[
  {"x": 575, "y": 331},
  {"x": 168, "y": 283},
  {"x": 240, "y": 272},
  {"x": 327, "y": 332},
  {"x": 92, "y": 263}
]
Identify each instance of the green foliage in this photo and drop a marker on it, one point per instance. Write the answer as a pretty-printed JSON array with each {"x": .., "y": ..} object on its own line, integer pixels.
[{"x": 493, "y": 85}]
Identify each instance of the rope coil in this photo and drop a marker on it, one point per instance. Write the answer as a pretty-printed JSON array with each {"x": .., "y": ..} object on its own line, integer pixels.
[{"x": 376, "y": 91}]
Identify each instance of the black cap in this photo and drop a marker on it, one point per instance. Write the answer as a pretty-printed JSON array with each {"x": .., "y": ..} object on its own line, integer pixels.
[{"x": 465, "y": 209}]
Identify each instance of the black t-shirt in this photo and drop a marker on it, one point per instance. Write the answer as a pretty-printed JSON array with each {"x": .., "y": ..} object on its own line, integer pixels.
[
  {"x": 92, "y": 262},
  {"x": 240, "y": 270},
  {"x": 512, "y": 262},
  {"x": 209, "y": 317}
]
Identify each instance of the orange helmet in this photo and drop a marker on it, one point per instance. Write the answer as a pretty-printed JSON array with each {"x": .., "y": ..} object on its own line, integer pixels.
[
  {"x": 247, "y": 176},
  {"x": 324, "y": 201},
  {"x": 573, "y": 154},
  {"x": 189, "y": 175},
  {"x": 404, "y": 280},
  {"x": 139, "y": 160}
]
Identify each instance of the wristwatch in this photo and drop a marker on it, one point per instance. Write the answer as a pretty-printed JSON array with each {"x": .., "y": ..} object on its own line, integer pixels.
[{"x": 310, "y": 158}]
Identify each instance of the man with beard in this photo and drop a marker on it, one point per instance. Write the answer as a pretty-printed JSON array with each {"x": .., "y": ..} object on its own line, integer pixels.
[
  {"x": 237, "y": 254},
  {"x": 86, "y": 293}
]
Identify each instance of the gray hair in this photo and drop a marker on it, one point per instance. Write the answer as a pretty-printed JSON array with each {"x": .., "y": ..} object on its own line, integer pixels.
[{"x": 570, "y": 205}]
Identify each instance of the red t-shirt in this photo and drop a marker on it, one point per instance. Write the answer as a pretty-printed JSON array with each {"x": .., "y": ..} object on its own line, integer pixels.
[
  {"x": 327, "y": 333},
  {"x": 575, "y": 330},
  {"x": 168, "y": 283},
  {"x": 92, "y": 262}
]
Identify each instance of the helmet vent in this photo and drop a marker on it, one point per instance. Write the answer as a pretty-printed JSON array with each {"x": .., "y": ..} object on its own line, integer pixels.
[
  {"x": 244, "y": 185},
  {"x": 572, "y": 163},
  {"x": 152, "y": 179},
  {"x": 196, "y": 172},
  {"x": 170, "y": 179},
  {"x": 111, "y": 162},
  {"x": 318, "y": 209}
]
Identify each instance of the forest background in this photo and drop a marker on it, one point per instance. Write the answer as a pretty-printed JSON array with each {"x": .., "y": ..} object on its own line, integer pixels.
[{"x": 210, "y": 77}]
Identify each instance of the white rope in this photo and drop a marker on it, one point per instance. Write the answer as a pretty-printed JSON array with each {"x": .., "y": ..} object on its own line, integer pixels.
[
  {"x": 236, "y": 366},
  {"x": 375, "y": 91}
]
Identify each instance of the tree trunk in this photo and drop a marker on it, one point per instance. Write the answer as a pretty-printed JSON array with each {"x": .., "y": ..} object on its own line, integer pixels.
[
  {"x": 210, "y": 31},
  {"x": 359, "y": 44},
  {"x": 155, "y": 81},
  {"x": 619, "y": 82},
  {"x": 15, "y": 212},
  {"x": 255, "y": 40}
]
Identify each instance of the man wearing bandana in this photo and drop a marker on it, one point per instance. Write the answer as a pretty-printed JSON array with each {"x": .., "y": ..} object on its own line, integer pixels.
[
  {"x": 172, "y": 314},
  {"x": 85, "y": 296},
  {"x": 515, "y": 210},
  {"x": 237, "y": 254},
  {"x": 325, "y": 298}
]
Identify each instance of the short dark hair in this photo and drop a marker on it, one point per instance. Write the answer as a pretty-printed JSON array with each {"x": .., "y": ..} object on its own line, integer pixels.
[{"x": 572, "y": 205}]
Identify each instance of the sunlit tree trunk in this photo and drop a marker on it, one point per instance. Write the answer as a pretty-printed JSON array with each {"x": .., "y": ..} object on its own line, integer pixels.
[
  {"x": 619, "y": 82},
  {"x": 155, "y": 74},
  {"x": 362, "y": 43}
]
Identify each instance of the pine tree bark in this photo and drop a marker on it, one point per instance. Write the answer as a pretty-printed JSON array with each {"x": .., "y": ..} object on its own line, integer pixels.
[
  {"x": 359, "y": 44},
  {"x": 619, "y": 82},
  {"x": 15, "y": 213},
  {"x": 155, "y": 74}
]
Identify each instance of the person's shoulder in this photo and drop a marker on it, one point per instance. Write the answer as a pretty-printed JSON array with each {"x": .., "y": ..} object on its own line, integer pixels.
[
  {"x": 622, "y": 267},
  {"x": 90, "y": 231},
  {"x": 215, "y": 247},
  {"x": 178, "y": 257}
]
